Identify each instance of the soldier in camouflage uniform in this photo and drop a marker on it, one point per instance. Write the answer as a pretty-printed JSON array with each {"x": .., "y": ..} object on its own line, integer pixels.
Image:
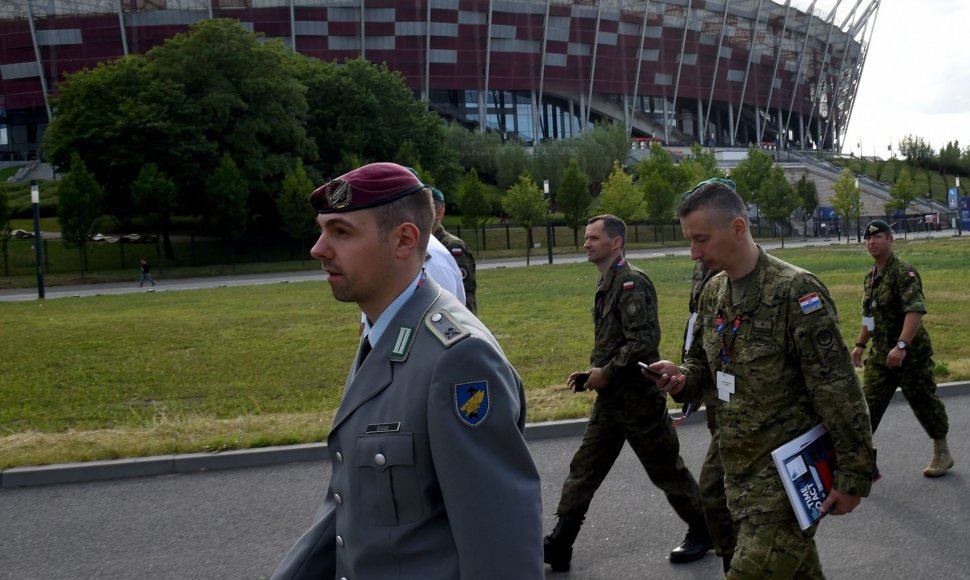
[
  {"x": 902, "y": 354},
  {"x": 628, "y": 407},
  {"x": 768, "y": 343},
  {"x": 458, "y": 249},
  {"x": 711, "y": 480}
]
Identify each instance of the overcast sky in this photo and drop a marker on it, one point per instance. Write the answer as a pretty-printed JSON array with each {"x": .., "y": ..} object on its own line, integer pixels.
[{"x": 916, "y": 79}]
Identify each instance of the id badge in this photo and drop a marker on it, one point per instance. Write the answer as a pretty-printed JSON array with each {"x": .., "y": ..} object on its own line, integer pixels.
[
  {"x": 725, "y": 385},
  {"x": 689, "y": 338},
  {"x": 869, "y": 322}
]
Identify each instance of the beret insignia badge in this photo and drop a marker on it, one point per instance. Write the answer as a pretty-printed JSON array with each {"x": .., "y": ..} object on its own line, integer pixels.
[{"x": 339, "y": 193}]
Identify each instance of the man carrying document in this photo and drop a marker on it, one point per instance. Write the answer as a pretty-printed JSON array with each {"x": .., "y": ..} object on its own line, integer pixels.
[{"x": 767, "y": 344}]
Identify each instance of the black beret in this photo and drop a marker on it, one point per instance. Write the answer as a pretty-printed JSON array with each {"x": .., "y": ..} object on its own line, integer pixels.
[{"x": 876, "y": 227}]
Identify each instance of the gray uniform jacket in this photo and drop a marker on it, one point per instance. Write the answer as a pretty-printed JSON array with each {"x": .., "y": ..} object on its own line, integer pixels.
[{"x": 432, "y": 477}]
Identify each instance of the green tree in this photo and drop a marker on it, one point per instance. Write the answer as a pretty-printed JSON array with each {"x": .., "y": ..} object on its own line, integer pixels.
[
  {"x": 916, "y": 150},
  {"x": 701, "y": 165},
  {"x": 808, "y": 194},
  {"x": 215, "y": 89},
  {"x": 246, "y": 97},
  {"x": 119, "y": 117},
  {"x": 473, "y": 203},
  {"x": 903, "y": 192},
  {"x": 662, "y": 182},
  {"x": 550, "y": 161},
  {"x": 597, "y": 149},
  {"x": 4, "y": 227},
  {"x": 620, "y": 197},
  {"x": 847, "y": 200},
  {"x": 511, "y": 161},
  {"x": 526, "y": 205},
  {"x": 228, "y": 194},
  {"x": 358, "y": 108},
  {"x": 298, "y": 220},
  {"x": 574, "y": 198},
  {"x": 778, "y": 199},
  {"x": 407, "y": 154},
  {"x": 660, "y": 198},
  {"x": 750, "y": 172},
  {"x": 79, "y": 207},
  {"x": 155, "y": 197}
]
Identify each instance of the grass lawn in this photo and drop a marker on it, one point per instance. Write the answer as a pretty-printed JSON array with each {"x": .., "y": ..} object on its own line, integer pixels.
[{"x": 174, "y": 372}]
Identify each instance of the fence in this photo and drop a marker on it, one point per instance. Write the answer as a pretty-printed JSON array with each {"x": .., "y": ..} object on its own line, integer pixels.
[{"x": 497, "y": 240}]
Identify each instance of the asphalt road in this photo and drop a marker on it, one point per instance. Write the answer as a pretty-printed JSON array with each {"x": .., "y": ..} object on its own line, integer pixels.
[{"x": 237, "y": 524}]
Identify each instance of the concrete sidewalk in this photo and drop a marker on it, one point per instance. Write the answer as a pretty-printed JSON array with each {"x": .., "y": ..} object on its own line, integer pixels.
[{"x": 242, "y": 458}]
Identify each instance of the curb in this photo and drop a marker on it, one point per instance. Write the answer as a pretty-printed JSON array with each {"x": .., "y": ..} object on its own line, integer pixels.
[{"x": 17, "y": 477}]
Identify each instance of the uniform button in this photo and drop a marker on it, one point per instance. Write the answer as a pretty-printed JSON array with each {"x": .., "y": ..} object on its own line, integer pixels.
[
  {"x": 343, "y": 578},
  {"x": 340, "y": 541},
  {"x": 380, "y": 459},
  {"x": 340, "y": 457},
  {"x": 338, "y": 499},
  {"x": 435, "y": 317}
]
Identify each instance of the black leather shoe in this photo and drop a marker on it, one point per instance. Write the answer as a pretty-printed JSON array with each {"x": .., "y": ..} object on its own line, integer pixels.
[{"x": 693, "y": 548}]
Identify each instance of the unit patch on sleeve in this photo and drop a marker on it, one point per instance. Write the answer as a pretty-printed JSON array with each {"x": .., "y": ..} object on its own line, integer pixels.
[
  {"x": 810, "y": 303},
  {"x": 471, "y": 402}
]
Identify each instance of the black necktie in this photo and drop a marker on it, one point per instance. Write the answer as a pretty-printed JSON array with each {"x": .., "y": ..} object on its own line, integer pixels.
[{"x": 365, "y": 349}]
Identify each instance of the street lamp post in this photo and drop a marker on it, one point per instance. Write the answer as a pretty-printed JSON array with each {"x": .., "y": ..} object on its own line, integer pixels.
[
  {"x": 545, "y": 191},
  {"x": 858, "y": 217},
  {"x": 38, "y": 241},
  {"x": 959, "y": 214}
]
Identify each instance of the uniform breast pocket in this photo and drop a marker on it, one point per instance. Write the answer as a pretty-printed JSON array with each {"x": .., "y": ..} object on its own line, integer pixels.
[{"x": 388, "y": 489}]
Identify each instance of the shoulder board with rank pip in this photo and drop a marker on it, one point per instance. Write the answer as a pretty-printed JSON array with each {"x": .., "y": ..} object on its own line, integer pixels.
[{"x": 445, "y": 327}]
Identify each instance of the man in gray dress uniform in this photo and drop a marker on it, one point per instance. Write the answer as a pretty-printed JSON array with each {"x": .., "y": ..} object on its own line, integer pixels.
[{"x": 431, "y": 475}]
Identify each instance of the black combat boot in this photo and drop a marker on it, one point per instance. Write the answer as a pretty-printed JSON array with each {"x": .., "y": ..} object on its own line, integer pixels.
[
  {"x": 557, "y": 547},
  {"x": 697, "y": 543}
]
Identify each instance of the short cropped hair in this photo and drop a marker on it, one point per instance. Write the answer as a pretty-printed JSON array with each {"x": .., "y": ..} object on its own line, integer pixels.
[
  {"x": 717, "y": 196},
  {"x": 612, "y": 225},
  {"x": 415, "y": 208}
]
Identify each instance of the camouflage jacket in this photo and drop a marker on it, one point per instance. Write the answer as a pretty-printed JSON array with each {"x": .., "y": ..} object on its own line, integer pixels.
[
  {"x": 791, "y": 371},
  {"x": 466, "y": 265},
  {"x": 627, "y": 329},
  {"x": 888, "y": 296}
]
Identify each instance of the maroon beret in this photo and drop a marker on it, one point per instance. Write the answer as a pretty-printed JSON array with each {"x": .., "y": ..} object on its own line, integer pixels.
[{"x": 368, "y": 186}]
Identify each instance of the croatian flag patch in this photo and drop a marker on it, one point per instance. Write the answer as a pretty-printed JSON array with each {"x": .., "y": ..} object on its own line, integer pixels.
[
  {"x": 628, "y": 286},
  {"x": 810, "y": 303}
]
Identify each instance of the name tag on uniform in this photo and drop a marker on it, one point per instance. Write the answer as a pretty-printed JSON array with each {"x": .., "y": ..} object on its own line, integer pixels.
[
  {"x": 383, "y": 428},
  {"x": 869, "y": 322},
  {"x": 725, "y": 386}
]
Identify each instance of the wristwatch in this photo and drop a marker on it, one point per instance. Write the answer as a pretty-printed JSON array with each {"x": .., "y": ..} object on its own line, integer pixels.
[{"x": 901, "y": 345}]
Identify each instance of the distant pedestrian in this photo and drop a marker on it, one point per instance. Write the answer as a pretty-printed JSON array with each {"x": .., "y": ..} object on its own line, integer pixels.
[
  {"x": 459, "y": 251},
  {"x": 628, "y": 408},
  {"x": 146, "y": 269},
  {"x": 902, "y": 354}
]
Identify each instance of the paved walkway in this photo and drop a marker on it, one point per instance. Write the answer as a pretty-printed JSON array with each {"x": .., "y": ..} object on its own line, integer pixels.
[{"x": 539, "y": 258}]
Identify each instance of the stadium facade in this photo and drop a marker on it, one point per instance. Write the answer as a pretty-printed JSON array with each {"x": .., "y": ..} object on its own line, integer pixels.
[{"x": 720, "y": 72}]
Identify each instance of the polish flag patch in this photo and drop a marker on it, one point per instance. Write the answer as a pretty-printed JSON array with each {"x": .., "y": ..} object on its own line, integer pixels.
[
  {"x": 456, "y": 251},
  {"x": 628, "y": 286}
]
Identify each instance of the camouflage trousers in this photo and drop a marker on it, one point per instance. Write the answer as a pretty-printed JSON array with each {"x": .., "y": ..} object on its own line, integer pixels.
[
  {"x": 918, "y": 386},
  {"x": 711, "y": 483},
  {"x": 774, "y": 551},
  {"x": 648, "y": 429}
]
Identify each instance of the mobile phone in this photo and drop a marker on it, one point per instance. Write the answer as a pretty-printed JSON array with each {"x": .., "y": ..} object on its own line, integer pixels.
[
  {"x": 652, "y": 372},
  {"x": 579, "y": 383}
]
